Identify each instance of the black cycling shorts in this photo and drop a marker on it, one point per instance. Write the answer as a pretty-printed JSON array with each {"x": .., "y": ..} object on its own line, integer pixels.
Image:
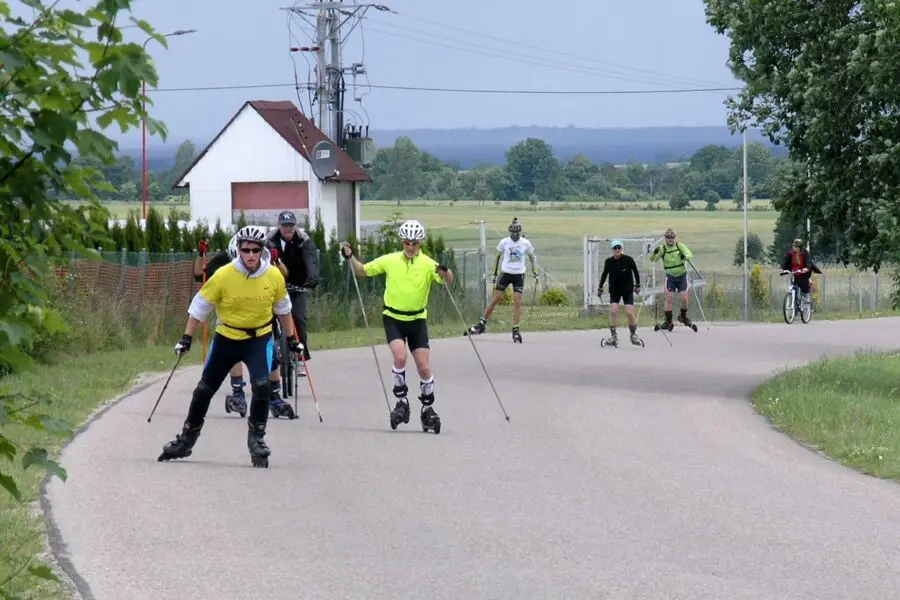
[
  {"x": 414, "y": 333},
  {"x": 517, "y": 280},
  {"x": 626, "y": 297}
]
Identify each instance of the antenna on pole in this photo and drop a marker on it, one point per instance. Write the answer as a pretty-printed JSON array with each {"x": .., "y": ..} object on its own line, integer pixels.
[{"x": 331, "y": 23}]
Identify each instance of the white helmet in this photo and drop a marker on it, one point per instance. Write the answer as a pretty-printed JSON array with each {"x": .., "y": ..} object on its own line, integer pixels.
[
  {"x": 233, "y": 247},
  {"x": 412, "y": 231},
  {"x": 251, "y": 233}
]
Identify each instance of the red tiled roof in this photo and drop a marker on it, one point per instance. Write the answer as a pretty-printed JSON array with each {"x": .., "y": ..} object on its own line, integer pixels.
[{"x": 297, "y": 130}]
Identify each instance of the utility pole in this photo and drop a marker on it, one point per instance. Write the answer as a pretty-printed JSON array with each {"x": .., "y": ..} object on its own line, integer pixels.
[
  {"x": 746, "y": 202},
  {"x": 332, "y": 21}
]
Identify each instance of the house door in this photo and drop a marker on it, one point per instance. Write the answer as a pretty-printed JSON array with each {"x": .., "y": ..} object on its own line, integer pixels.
[{"x": 261, "y": 201}]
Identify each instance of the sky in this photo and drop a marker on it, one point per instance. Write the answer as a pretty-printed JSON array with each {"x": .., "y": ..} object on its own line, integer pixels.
[{"x": 583, "y": 45}]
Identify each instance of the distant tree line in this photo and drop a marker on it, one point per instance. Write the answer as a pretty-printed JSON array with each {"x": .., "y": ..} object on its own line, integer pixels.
[{"x": 532, "y": 173}]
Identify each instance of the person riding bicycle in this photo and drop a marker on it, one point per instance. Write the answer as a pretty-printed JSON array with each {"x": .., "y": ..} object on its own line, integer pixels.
[
  {"x": 674, "y": 255},
  {"x": 298, "y": 260},
  {"x": 409, "y": 275},
  {"x": 798, "y": 262},
  {"x": 244, "y": 294},
  {"x": 512, "y": 250}
]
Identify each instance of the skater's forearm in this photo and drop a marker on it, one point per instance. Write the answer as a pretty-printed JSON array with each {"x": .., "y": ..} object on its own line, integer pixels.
[
  {"x": 358, "y": 269},
  {"x": 191, "y": 326},
  {"x": 287, "y": 324},
  {"x": 497, "y": 263}
]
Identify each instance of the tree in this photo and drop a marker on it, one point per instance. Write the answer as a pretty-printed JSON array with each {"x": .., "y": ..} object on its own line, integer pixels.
[
  {"x": 532, "y": 166},
  {"x": 712, "y": 200},
  {"x": 755, "y": 249},
  {"x": 821, "y": 79},
  {"x": 51, "y": 102}
]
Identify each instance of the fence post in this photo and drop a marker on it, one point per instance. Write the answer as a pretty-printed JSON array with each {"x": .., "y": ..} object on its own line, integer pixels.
[
  {"x": 713, "y": 296},
  {"x": 876, "y": 301},
  {"x": 142, "y": 275},
  {"x": 123, "y": 257},
  {"x": 170, "y": 274},
  {"x": 859, "y": 292}
]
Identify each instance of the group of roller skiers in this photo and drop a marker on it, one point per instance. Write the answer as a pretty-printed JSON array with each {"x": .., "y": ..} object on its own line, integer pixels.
[{"x": 263, "y": 274}]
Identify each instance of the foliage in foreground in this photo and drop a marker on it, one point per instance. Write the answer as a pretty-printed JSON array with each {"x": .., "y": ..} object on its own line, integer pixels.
[
  {"x": 820, "y": 78},
  {"x": 846, "y": 407},
  {"x": 51, "y": 102}
]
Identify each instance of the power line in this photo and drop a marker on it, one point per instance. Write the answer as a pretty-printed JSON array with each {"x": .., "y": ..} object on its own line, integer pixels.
[{"x": 411, "y": 88}]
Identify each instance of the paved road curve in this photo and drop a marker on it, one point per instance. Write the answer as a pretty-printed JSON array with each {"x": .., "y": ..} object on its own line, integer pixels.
[{"x": 623, "y": 473}]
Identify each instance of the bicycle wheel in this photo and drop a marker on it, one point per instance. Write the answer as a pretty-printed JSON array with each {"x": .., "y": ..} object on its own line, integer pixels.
[
  {"x": 805, "y": 311},
  {"x": 789, "y": 309},
  {"x": 286, "y": 368}
]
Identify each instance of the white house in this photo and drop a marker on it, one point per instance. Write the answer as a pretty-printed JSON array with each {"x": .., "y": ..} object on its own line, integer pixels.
[{"x": 259, "y": 163}]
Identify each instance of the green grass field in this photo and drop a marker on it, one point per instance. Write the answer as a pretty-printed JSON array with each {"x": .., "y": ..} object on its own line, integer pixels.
[
  {"x": 558, "y": 234},
  {"x": 846, "y": 408}
]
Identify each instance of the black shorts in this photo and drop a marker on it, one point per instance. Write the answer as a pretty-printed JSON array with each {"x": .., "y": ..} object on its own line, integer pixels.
[
  {"x": 414, "y": 333},
  {"x": 517, "y": 280},
  {"x": 626, "y": 297},
  {"x": 677, "y": 283}
]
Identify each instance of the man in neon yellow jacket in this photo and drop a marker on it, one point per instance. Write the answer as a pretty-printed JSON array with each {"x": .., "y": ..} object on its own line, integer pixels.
[{"x": 674, "y": 255}]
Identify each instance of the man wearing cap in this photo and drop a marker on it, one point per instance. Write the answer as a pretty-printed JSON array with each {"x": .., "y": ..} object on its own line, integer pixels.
[
  {"x": 298, "y": 261},
  {"x": 674, "y": 255},
  {"x": 798, "y": 262},
  {"x": 624, "y": 281}
]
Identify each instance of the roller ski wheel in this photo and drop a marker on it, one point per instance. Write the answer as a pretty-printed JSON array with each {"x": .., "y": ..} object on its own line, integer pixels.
[
  {"x": 637, "y": 341},
  {"x": 282, "y": 409},
  {"x": 516, "y": 336},
  {"x": 236, "y": 404},
  {"x": 430, "y": 420},
  {"x": 400, "y": 414},
  {"x": 611, "y": 342}
]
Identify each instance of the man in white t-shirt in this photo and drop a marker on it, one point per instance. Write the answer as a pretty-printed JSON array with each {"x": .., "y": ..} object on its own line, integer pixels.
[{"x": 512, "y": 250}]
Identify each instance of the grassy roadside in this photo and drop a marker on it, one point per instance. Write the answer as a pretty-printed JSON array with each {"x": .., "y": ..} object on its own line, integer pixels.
[
  {"x": 94, "y": 379},
  {"x": 845, "y": 407}
]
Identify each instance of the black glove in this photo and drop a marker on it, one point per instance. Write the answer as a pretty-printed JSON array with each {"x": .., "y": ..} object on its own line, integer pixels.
[
  {"x": 442, "y": 269},
  {"x": 294, "y": 344},
  {"x": 183, "y": 345},
  {"x": 346, "y": 250}
]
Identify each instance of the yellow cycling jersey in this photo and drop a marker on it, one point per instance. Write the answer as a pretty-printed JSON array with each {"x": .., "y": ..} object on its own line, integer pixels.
[
  {"x": 244, "y": 302},
  {"x": 407, "y": 283}
]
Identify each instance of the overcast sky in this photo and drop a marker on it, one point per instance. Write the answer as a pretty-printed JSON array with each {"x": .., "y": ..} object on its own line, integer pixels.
[{"x": 587, "y": 45}]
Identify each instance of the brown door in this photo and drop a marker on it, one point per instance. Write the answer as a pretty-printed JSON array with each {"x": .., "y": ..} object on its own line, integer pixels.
[{"x": 262, "y": 201}]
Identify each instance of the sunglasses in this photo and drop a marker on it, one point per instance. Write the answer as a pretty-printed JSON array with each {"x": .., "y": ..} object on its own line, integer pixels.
[
  {"x": 251, "y": 250},
  {"x": 617, "y": 247},
  {"x": 411, "y": 243}
]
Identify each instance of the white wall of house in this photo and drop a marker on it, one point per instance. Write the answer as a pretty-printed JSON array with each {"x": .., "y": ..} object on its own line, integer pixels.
[{"x": 249, "y": 150}]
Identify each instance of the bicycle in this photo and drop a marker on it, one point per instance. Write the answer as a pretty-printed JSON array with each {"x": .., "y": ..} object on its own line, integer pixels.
[{"x": 794, "y": 303}]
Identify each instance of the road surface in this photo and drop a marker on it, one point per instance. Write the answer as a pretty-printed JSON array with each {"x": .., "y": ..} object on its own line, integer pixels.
[{"x": 623, "y": 473}]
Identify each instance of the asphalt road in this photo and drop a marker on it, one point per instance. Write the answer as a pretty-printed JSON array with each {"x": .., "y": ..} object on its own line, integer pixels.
[{"x": 624, "y": 473}]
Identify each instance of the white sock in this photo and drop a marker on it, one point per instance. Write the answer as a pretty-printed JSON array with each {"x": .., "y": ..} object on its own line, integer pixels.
[
  {"x": 427, "y": 386},
  {"x": 399, "y": 376}
]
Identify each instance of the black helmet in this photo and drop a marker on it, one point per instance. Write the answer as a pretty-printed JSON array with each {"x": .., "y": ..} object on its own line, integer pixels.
[{"x": 515, "y": 227}]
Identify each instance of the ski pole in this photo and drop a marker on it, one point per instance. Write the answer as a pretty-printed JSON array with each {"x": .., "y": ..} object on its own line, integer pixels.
[
  {"x": 163, "y": 391},
  {"x": 362, "y": 307},
  {"x": 311, "y": 388},
  {"x": 696, "y": 297},
  {"x": 533, "y": 300},
  {"x": 469, "y": 337}
]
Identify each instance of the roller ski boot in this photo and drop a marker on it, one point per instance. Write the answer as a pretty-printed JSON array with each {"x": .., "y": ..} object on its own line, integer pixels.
[
  {"x": 183, "y": 444},
  {"x": 430, "y": 419},
  {"x": 476, "y": 329},
  {"x": 236, "y": 402},
  {"x": 259, "y": 451},
  {"x": 686, "y": 321},
  {"x": 277, "y": 406},
  {"x": 612, "y": 341},
  {"x": 400, "y": 414},
  {"x": 668, "y": 325},
  {"x": 516, "y": 336},
  {"x": 637, "y": 341}
]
